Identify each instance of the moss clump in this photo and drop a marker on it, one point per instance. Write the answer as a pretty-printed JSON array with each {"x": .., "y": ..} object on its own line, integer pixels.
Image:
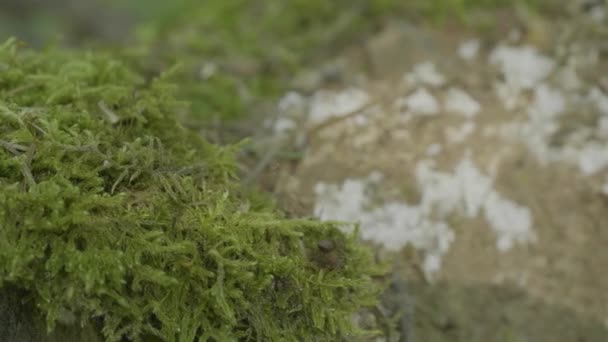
[{"x": 111, "y": 212}]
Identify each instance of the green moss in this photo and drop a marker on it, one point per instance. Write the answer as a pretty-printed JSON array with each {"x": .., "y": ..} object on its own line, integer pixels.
[
  {"x": 256, "y": 46},
  {"x": 112, "y": 212}
]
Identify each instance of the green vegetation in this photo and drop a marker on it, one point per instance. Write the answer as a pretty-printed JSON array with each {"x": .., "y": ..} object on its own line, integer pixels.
[
  {"x": 257, "y": 47},
  {"x": 112, "y": 213},
  {"x": 253, "y": 47}
]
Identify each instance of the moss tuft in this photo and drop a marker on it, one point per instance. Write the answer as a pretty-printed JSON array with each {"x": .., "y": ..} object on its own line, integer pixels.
[{"x": 112, "y": 212}]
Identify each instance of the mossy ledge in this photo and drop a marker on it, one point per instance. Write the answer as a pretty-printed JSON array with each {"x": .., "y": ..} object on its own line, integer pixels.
[{"x": 112, "y": 214}]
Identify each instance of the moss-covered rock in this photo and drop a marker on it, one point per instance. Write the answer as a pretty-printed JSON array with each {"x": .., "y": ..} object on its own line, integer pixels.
[{"x": 113, "y": 214}]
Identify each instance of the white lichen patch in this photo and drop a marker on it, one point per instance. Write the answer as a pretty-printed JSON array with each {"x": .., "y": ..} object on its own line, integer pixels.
[
  {"x": 468, "y": 50},
  {"x": 510, "y": 222},
  {"x": 522, "y": 67},
  {"x": 469, "y": 191},
  {"x": 543, "y": 114},
  {"x": 395, "y": 224},
  {"x": 291, "y": 101},
  {"x": 320, "y": 107},
  {"x": 425, "y": 73},
  {"x": 283, "y": 124},
  {"x": 456, "y": 135},
  {"x": 343, "y": 203},
  {"x": 592, "y": 158},
  {"x": 460, "y": 102},
  {"x": 421, "y": 102},
  {"x": 433, "y": 149},
  {"x": 599, "y": 99},
  {"x": 392, "y": 224},
  {"x": 581, "y": 148},
  {"x": 290, "y": 107},
  {"x": 326, "y": 104},
  {"x": 547, "y": 105}
]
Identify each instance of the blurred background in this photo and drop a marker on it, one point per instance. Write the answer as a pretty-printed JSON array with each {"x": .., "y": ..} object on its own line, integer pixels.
[{"x": 468, "y": 138}]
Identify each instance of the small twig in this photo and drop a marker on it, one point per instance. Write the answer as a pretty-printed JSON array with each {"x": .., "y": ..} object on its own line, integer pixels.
[
  {"x": 17, "y": 90},
  {"x": 191, "y": 169},
  {"x": 15, "y": 149},
  {"x": 110, "y": 115},
  {"x": 331, "y": 121},
  {"x": 334, "y": 120},
  {"x": 26, "y": 168},
  {"x": 27, "y": 174},
  {"x": 120, "y": 178}
]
